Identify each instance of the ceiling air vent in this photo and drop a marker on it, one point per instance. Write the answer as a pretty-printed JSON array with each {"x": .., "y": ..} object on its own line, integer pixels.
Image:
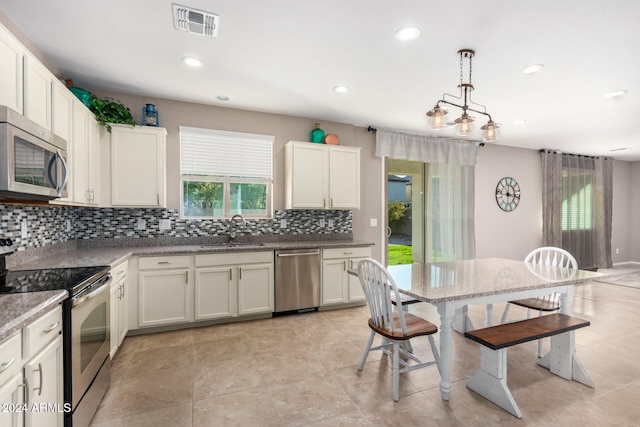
[{"x": 195, "y": 21}]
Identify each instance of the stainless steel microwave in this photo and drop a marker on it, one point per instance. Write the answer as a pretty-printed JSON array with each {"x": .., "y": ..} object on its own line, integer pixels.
[{"x": 33, "y": 160}]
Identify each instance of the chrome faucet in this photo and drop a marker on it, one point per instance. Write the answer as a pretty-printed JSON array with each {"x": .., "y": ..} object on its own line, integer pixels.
[{"x": 232, "y": 232}]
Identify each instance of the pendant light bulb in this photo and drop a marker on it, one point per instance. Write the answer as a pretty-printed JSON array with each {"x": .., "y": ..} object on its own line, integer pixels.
[
  {"x": 464, "y": 125},
  {"x": 490, "y": 132},
  {"x": 438, "y": 120}
]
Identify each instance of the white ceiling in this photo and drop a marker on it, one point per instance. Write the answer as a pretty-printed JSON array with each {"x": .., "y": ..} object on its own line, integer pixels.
[{"x": 285, "y": 56}]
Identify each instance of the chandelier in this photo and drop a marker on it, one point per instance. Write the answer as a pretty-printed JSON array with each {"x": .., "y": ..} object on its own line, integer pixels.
[{"x": 465, "y": 121}]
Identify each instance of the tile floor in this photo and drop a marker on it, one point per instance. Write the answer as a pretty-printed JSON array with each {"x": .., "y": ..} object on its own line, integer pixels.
[{"x": 301, "y": 370}]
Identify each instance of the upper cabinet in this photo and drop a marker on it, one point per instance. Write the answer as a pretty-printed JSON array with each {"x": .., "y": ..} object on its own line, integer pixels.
[
  {"x": 133, "y": 166},
  {"x": 320, "y": 176},
  {"x": 85, "y": 156},
  {"x": 11, "y": 71},
  {"x": 38, "y": 87}
]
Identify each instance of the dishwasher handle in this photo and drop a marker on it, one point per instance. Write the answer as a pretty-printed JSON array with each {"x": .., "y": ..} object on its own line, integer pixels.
[{"x": 299, "y": 254}]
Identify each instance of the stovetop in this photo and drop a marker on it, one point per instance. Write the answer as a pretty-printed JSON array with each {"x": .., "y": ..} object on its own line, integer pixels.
[{"x": 51, "y": 279}]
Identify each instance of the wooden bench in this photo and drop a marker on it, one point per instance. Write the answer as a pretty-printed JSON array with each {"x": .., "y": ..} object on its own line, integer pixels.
[{"x": 491, "y": 379}]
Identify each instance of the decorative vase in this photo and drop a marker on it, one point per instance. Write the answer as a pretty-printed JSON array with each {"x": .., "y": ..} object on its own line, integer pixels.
[
  {"x": 317, "y": 135},
  {"x": 332, "y": 139}
]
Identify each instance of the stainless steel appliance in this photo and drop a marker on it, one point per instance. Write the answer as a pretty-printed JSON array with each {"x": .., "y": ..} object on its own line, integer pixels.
[
  {"x": 297, "y": 280},
  {"x": 33, "y": 160},
  {"x": 86, "y": 322}
]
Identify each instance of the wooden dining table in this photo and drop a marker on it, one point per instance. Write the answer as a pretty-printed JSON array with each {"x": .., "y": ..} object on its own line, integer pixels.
[{"x": 452, "y": 286}]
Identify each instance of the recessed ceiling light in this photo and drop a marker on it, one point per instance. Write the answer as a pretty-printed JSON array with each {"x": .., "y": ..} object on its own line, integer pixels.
[
  {"x": 341, "y": 89},
  {"x": 222, "y": 98},
  {"x": 615, "y": 93},
  {"x": 532, "y": 69},
  {"x": 407, "y": 33},
  {"x": 519, "y": 121},
  {"x": 621, "y": 149},
  {"x": 192, "y": 62}
]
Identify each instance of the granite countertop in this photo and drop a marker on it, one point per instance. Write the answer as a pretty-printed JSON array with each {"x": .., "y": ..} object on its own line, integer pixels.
[
  {"x": 19, "y": 310},
  {"x": 114, "y": 255}
]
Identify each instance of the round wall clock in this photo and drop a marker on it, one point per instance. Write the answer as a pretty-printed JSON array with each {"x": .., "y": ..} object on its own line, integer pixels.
[{"x": 508, "y": 194}]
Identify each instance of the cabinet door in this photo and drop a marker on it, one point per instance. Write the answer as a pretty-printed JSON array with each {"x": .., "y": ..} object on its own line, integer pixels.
[
  {"x": 93, "y": 161},
  {"x": 334, "y": 288},
  {"x": 38, "y": 83},
  {"x": 11, "y": 71},
  {"x": 123, "y": 312},
  {"x": 62, "y": 125},
  {"x": 137, "y": 166},
  {"x": 12, "y": 395},
  {"x": 215, "y": 293},
  {"x": 344, "y": 178},
  {"x": 255, "y": 288},
  {"x": 164, "y": 297},
  {"x": 114, "y": 325},
  {"x": 356, "y": 293},
  {"x": 79, "y": 152},
  {"x": 43, "y": 374},
  {"x": 308, "y": 182}
]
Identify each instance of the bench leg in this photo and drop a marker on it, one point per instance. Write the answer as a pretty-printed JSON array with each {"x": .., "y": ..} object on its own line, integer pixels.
[
  {"x": 488, "y": 315},
  {"x": 490, "y": 381},
  {"x": 562, "y": 360}
]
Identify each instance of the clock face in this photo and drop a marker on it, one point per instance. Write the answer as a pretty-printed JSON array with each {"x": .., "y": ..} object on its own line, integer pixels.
[{"x": 508, "y": 194}]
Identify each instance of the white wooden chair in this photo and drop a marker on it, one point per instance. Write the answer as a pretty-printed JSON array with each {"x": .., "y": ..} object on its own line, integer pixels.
[
  {"x": 395, "y": 326},
  {"x": 544, "y": 256}
]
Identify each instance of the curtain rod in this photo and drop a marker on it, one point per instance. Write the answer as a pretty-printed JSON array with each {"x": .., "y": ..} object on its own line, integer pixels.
[{"x": 548, "y": 150}]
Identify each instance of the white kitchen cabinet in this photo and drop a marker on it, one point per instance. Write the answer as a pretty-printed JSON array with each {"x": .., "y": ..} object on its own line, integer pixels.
[
  {"x": 11, "y": 71},
  {"x": 12, "y": 395},
  {"x": 85, "y": 156},
  {"x": 38, "y": 87},
  {"x": 43, "y": 375},
  {"x": 233, "y": 284},
  {"x": 320, "y": 176},
  {"x": 119, "y": 309},
  {"x": 62, "y": 125},
  {"x": 164, "y": 291},
  {"x": 339, "y": 287},
  {"x": 133, "y": 168}
]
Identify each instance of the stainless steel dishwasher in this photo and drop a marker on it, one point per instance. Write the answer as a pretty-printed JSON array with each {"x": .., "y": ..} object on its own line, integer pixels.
[{"x": 297, "y": 280}]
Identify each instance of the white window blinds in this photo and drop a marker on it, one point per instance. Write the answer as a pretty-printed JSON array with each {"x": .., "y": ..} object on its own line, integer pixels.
[{"x": 222, "y": 153}]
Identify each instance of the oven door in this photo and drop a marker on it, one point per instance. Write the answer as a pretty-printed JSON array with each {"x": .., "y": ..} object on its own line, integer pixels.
[
  {"x": 90, "y": 340},
  {"x": 31, "y": 166}
]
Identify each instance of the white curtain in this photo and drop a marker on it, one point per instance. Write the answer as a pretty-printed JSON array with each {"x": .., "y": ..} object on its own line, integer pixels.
[
  {"x": 450, "y": 225},
  {"x": 425, "y": 149},
  {"x": 450, "y": 190}
]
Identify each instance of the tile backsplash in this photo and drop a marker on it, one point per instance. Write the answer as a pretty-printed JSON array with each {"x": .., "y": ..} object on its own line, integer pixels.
[{"x": 54, "y": 224}]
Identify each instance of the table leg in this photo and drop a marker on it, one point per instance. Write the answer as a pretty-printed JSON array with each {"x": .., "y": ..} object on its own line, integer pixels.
[{"x": 446, "y": 320}]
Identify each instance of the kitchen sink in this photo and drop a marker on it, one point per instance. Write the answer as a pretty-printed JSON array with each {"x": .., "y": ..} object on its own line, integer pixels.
[{"x": 231, "y": 245}]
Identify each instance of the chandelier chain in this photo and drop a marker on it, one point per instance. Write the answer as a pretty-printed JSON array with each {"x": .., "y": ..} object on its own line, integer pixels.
[
  {"x": 470, "y": 68},
  {"x": 461, "y": 70}
]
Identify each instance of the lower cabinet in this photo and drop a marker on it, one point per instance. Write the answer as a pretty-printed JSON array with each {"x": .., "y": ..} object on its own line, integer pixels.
[
  {"x": 339, "y": 287},
  {"x": 119, "y": 307},
  {"x": 31, "y": 388},
  {"x": 43, "y": 376},
  {"x": 164, "y": 290},
  {"x": 233, "y": 284}
]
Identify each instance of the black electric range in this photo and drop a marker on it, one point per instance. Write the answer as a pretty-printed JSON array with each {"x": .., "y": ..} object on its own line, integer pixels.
[{"x": 72, "y": 279}]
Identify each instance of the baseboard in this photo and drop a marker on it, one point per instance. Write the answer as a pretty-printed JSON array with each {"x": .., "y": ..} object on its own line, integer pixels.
[{"x": 626, "y": 263}]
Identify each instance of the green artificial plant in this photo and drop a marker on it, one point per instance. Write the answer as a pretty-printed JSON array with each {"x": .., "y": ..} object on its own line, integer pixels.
[{"x": 109, "y": 110}]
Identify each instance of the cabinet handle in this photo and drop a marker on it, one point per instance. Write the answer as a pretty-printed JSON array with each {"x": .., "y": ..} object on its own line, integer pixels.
[
  {"x": 121, "y": 290},
  {"x": 40, "y": 373},
  {"x": 164, "y": 262},
  {"x": 25, "y": 391},
  {"x": 51, "y": 328},
  {"x": 5, "y": 366},
  {"x": 120, "y": 273},
  {"x": 344, "y": 265},
  {"x": 158, "y": 196},
  {"x": 239, "y": 273},
  {"x": 230, "y": 274},
  {"x": 324, "y": 202},
  {"x": 331, "y": 203},
  {"x": 347, "y": 253}
]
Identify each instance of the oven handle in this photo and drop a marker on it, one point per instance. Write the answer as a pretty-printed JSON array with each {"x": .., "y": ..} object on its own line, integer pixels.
[{"x": 93, "y": 294}]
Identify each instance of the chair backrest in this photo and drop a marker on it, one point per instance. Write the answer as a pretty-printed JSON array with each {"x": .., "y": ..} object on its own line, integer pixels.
[
  {"x": 378, "y": 287},
  {"x": 552, "y": 256}
]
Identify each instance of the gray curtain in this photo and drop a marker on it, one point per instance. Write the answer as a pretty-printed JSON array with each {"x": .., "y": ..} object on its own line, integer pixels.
[{"x": 577, "y": 204}]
